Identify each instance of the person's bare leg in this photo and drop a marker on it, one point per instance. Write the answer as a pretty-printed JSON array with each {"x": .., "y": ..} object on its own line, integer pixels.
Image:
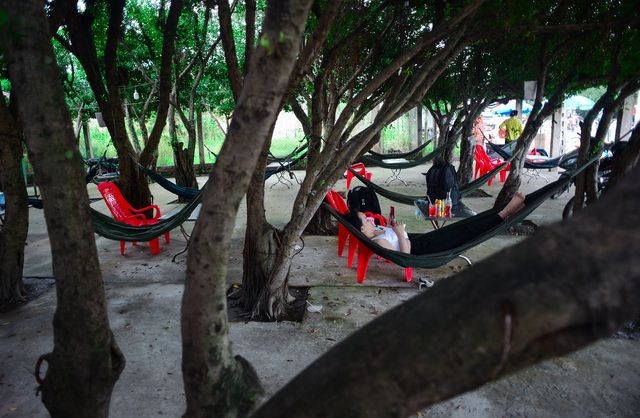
[{"x": 514, "y": 206}]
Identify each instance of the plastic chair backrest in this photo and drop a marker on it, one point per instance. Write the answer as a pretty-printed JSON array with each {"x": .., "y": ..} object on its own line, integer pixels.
[
  {"x": 337, "y": 201},
  {"x": 117, "y": 204},
  {"x": 481, "y": 153}
]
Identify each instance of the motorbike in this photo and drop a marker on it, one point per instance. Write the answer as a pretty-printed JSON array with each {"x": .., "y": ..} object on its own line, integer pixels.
[
  {"x": 604, "y": 172},
  {"x": 100, "y": 170}
]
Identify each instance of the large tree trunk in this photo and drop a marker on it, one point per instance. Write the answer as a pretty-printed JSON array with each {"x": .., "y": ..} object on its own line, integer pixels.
[
  {"x": 13, "y": 232},
  {"x": 217, "y": 383},
  {"x": 486, "y": 322},
  {"x": 86, "y": 361},
  {"x": 261, "y": 244}
]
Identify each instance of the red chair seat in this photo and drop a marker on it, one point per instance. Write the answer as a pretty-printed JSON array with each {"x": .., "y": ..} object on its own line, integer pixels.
[{"x": 485, "y": 164}]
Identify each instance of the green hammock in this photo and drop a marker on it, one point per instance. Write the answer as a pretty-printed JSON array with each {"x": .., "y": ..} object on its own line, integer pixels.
[
  {"x": 182, "y": 191},
  {"x": 286, "y": 165},
  {"x": 414, "y": 163},
  {"x": 106, "y": 226},
  {"x": 409, "y": 155},
  {"x": 433, "y": 260},
  {"x": 295, "y": 154},
  {"x": 190, "y": 192},
  {"x": 409, "y": 199}
]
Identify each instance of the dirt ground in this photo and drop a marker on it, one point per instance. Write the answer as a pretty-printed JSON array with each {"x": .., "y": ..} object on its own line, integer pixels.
[{"x": 144, "y": 294}]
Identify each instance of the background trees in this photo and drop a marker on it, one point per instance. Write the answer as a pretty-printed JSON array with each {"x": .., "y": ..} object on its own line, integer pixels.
[{"x": 356, "y": 58}]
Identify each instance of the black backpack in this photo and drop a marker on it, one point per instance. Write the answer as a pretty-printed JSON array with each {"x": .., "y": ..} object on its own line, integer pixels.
[
  {"x": 441, "y": 178},
  {"x": 363, "y": 199}
]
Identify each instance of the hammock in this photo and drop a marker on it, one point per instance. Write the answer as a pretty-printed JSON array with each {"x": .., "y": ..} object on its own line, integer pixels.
[
  {"x": 182, "y": 191},
  {"x": 507, "y": 151},
  {"x": 409, "y": 155},
  {"x": 409, "y": 199},
  {"x": 433, "y": 260},
  {"x": 189, "y": 192},
  {"x": 285, "y": 165},
  {"x": 108, "y": 227},
  {"x": 292, "y": 155},
  {"x": 422, "y": 160}
]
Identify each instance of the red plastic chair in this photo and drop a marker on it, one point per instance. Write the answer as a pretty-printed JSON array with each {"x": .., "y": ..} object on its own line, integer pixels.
[
  {"x": 360, "y": 169},
  {"x": 339, "y": 204},
  {"x": 364, "y": 256},
  {"x": 124, "y": 212},
  {"x": 487, "y": 164},
  {"x": 364, "y": 253}
]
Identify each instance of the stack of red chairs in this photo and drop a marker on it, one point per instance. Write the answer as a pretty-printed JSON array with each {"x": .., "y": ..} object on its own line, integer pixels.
[
  {"x": 485, "y": 164},
  {"x": 360, "y": 169}
]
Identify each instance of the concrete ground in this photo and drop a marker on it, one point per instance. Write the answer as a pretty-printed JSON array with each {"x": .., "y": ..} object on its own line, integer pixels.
[{"x": 144, "y": 295}]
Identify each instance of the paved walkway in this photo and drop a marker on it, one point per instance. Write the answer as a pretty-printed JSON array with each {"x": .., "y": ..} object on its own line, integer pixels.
[{"x": 144, "y": 295}]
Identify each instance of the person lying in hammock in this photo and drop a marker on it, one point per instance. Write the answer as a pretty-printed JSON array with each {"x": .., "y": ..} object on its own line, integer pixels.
[{"x": 388, "y": 237}]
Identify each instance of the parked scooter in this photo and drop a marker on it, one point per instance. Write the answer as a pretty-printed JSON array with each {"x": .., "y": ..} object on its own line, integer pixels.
[
  {"x": 102, "y": 169},
  {"x": 604, "y": 172}
]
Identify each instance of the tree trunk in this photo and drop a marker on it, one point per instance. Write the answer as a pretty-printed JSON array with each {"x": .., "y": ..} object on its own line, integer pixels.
[
  {"x": 13, "y": 232},
  {"x": 486, "y": 322},
  {"x": 85, "y": 362},
  {"x": 217, "y": 383},
  {"x": 182, "y": 160},
  {"x": 132, "y": 130}
]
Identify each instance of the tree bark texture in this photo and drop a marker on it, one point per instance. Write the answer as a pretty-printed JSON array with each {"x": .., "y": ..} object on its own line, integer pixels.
[
  {"x": 216, "y": 382},
  {"x": 13, "y": 232},
  {"x": 486, "y": 322},
  {"x": 85, "y": 362}
]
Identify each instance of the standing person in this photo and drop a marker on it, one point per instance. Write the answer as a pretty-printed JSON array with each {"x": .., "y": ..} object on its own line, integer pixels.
[{"x": 512, "y": 126}]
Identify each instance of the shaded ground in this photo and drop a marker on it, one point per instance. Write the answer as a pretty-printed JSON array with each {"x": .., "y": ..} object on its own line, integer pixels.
[
  {"x": 34, "y": 287},
  {"x": 144, "y": 295},
  {"x": 294, "y": 312}
]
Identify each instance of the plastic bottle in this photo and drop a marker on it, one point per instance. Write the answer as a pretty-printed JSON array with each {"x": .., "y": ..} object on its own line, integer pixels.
[{"x": 447, "y": 205}]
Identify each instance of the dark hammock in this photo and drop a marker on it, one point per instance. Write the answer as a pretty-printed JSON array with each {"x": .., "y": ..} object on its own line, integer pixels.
[
  {"x": 433, "y": 260},
  {"x": 286, "y": 165},
  {"x": 414, "y": 163},
  {"x": 409, "y": 199},
  {"x": 182, "y": 191},
  {"x": 409, "y": 155},
  {"x": 189, "y": 192},
  {"x": 106, "y": 226},
  {"x": 506, "y": 153}
]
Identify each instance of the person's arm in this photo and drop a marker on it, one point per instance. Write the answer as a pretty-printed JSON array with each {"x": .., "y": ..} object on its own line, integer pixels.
[{"x": 403, "y": 240}]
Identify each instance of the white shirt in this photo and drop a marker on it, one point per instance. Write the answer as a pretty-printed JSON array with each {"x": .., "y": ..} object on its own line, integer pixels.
[{"x": 389, "y": 235}]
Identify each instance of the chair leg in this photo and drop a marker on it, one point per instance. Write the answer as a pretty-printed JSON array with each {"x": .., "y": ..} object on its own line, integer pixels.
[
  {"x": 364, "y": 256},
  {"x": 167, "y": 237},
  {"x": 408, "y": 272},
  {"x": 155, "y": 246},
  {"x": 349, "y": 177},
  {"x": 353, "y": 246},
  {"x": 122, "y": 244},
  {"x": 343, "y": 234}
]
